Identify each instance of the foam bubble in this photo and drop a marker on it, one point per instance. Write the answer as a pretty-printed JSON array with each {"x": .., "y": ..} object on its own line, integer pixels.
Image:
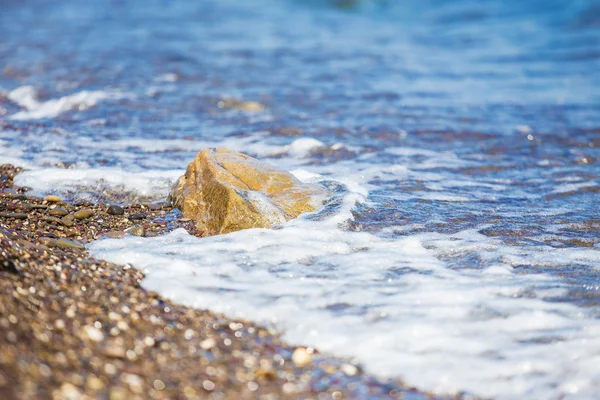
[
  {"x": 26, "y": 97},
  {"x": 150, "y": 185}
]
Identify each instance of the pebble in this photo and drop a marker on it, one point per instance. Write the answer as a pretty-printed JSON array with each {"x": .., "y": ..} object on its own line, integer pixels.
[
  {"x": 137, "y": 216},
  {"x": 68, "y": 391},
  {"x": 36, "y": 206},
  {"x": 67, "y": 221},
  {"x": 83, "y": 214},
  {"x": 301, "y": 357},
  {"x": 136, "y": 230},
  {"x": 93, "y": 333},
  {"x": 349, "y": 369},
  {"x": 116, "y": 234},
  {"x": 155, "y": 206},
  {"x": 52, "y": 199},
  {"x": 115, "y": 210},
  {"x": 67, "y": 244},
  {"x": 114, "y": 350},
  {"x": 95, "y": 384},
  {"x": 58, "y": 212},
  {"x": 13, "y": 215}
]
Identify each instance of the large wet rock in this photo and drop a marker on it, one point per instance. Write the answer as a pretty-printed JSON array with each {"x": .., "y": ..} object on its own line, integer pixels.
[{"x": 224, "y": 191}]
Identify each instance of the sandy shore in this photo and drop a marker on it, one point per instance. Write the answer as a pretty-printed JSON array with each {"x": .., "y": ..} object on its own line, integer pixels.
[{"x": 74, "y": 327}]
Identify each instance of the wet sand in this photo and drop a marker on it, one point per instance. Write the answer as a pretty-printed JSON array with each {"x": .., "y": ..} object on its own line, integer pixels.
[{"x": 74, "y": 327}]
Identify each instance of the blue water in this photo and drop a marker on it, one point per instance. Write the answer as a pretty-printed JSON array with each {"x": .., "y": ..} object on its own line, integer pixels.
[{"x": 465, "y": 116}]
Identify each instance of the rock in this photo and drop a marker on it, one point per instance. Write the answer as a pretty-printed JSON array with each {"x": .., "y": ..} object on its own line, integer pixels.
[
  {"x": 67, "y": 220},
  {"x": 65, "y": 244},
  {"x": 15, "y": 215},
  {"x": 93, "y": 333},
  {"x": 135, "y": 230},
  {"x": 83, "y": 214},
  {"x": 53, "y": 199},
  {"x": 157, "y": 206},
  {"x": 58, "y": 212},
  {"x": 115, "y": 234},
  {"x": 67, "y": 391},
  {"x": 115, "y": 210},
  {"x": 137, "y": 216},
  {"x": 224, "y": 191}
]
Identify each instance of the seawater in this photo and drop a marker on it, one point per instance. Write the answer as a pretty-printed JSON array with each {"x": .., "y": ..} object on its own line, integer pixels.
[{"x": 460, "y": 250}]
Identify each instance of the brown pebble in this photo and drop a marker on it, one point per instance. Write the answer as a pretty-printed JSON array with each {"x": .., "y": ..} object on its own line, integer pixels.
[
  {"x": 115, "y": 210},
  {"x": 67, "y": 244},
  {"x": 136, "y": 230},
  {"x": 52, "y": 199},
  {"x": 83, "y": 214},
  {"x": 67, "y": 221},
  {"x": 46, "y": 241},
  {"x": 116, "y": 234},
  {"x": 36, "y": 206},
  {"x": 156, "y": 206},
  {"x": 13, "y": 215},
  {"x": 137, "y": 216},
  {"x": 58, "y": 212}
]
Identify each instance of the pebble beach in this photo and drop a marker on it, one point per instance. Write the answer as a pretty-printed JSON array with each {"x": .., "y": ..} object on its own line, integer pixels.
[{"x": 75, "y": 327}]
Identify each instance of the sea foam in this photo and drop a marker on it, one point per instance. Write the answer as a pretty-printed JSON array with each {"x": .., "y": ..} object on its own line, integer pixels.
[{"x": 391, "y": 303}]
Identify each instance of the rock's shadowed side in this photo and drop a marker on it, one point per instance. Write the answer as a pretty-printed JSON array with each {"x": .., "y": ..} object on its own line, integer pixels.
[{"x": 224, "y": 191}]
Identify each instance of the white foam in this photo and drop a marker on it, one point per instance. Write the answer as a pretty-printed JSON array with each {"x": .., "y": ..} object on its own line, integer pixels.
[
  {"x": 304, "y": 146},
  {"x": 389, "y": 302},
  {"x": 26, "y": 97},
  {"x": 153, "y": 184}
]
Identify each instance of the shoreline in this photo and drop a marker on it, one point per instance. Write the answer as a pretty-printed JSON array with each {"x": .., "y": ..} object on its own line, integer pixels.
[{"x": 76, "y": 327}]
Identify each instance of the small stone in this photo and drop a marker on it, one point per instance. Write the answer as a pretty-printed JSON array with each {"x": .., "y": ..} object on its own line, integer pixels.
[
  {"x": 67, "y": 221},
  {"x": 93, "y": 383},
  {"x": 67, "y": 391},
  {"x": 207, "y": 344},
  {"x": 115, "y": 210},
  {"x": 114, "y": 350},
  {"x": 301, "y": 357},
  {"x": 158, "y": 384},
  {"x": 36, "y": 206},
  {"x": 118, "y": 394},
  {"x": 93, "y": 333},
  {"x": 83, "y": 214},
  {"x": 58, "y": 212},
  {"x": 52, "y": 199},
  {"x": 136, "y": 230},
  {"x": 67, "y": 244},
  {"x": 267, "y": 373},
  {"x": 116, "y": 234},
  {"x": 134, "y": 381},
  {"x": 156, "y": 206},
  {"x": 13, "y": 215},
  {"x": 137, "y": 216},
  {"x": 349, "y": 369}
]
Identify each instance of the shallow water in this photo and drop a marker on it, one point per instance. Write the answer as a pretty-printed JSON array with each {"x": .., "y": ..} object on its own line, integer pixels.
[{"x": 461, "y": 251}]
